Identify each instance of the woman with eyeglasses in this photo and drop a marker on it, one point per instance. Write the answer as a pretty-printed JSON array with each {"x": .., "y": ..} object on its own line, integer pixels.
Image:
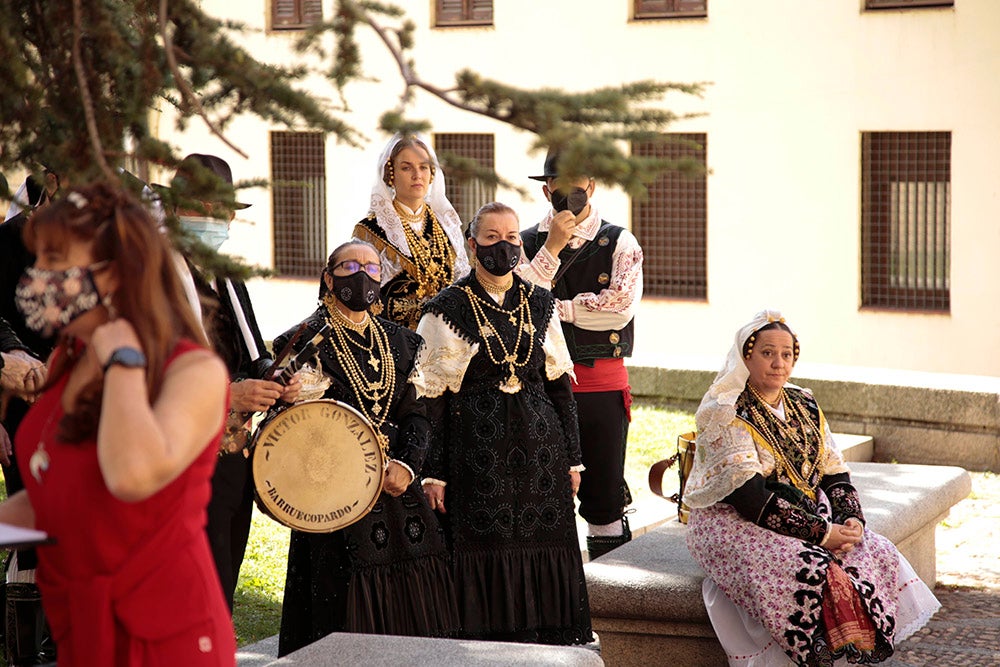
[
  {"x": 389, "y": 572},
  {"x": 414, "y": 228}
]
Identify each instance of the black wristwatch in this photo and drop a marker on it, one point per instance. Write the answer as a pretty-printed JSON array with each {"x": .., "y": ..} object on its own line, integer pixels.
[{"x": 129, "y": 357}]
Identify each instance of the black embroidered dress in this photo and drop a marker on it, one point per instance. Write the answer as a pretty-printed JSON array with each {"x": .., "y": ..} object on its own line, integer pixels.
[
  {"x": 505, "y": 458},
  {"x": 388, "y": 573}
]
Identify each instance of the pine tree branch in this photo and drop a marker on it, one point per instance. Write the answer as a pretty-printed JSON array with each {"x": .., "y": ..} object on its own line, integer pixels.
[
  {"x": 182, "y": 85},
  {"x": 85, "y": 99},
  {"x": 410, "y": 78},
  {"x": 405, "y": 71}
]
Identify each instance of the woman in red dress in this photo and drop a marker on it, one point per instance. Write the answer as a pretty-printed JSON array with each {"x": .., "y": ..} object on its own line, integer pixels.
[{"x": 118, "y": 450}]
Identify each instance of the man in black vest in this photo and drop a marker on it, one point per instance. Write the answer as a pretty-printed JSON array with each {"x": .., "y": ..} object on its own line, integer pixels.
[
  {"x": 230, "y": 324},
  {"x": 595, "y": 269}
]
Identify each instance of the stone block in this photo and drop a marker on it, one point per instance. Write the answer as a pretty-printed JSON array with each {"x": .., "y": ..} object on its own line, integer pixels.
[
  {"x": 645, "y": 596},
  {"x": 339, "y": 649}
]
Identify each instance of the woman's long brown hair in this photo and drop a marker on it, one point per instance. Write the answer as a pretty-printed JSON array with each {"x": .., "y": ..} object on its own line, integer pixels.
[{"x": 149, "y": 293}]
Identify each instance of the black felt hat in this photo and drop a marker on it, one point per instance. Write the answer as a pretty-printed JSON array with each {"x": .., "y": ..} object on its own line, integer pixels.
[
  {"x": 213, "y": 163},
  {"x": 551, "y": 160}
]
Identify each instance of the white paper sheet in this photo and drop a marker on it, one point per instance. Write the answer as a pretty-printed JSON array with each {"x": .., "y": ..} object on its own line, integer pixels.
[{"x": 15, "y": 536}]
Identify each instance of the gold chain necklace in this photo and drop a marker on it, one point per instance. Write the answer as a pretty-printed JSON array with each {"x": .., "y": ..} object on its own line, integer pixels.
[
  {"x": 795, "y": 431},
  {"x": 497, "y": 289},
  {"x": 378, "y": 394},
  {"x": 760, "y": 397},
  {"x": 407, "y": 216},
  {"x": 520, "y": 317},
  {"x": 434, "y": 258},
  {"x": 330, "y": 301}
]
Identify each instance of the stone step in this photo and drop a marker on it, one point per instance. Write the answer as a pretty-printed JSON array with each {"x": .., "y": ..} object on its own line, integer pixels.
[{"x": 855, "y": 448}]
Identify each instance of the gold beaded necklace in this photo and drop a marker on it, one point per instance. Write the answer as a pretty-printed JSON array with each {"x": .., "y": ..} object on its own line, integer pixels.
[
  {"x": 795, "y": 431},
  {"x": 497, "y": 289},
  {"x": 407, "y": 216},
  {"x": 760, "y": 397},
  {"x": 520, "y": 317},
  {"x": 374, "y": 398},
  {"x": 330, "y": 301},
  {"x": 433, "y": 258}
]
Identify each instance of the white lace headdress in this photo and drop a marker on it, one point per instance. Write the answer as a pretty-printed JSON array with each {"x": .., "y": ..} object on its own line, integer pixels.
[
  {"x": 718, "y": 407},
  {"x": 388, "y": 219}
]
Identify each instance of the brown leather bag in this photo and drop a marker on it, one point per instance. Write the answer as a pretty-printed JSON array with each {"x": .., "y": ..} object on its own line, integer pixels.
[{"x": 684, "y": 458}]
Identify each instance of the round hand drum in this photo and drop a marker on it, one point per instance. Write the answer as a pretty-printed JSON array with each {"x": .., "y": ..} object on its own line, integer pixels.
[{"x": 317, "y": 466}]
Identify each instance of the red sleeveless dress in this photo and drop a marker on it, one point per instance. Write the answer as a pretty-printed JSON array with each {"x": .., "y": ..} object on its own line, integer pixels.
[{"x": 125, "y": 583}]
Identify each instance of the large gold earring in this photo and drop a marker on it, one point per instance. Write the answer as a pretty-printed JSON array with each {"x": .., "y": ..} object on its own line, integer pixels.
[
  {"x": 389, "y": 174},
  {"x": 330, "y": 301}
]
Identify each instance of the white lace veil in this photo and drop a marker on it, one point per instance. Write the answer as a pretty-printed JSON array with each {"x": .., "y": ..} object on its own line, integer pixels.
[
  {"x": 718, "y": 407},
  {"x": 388, "y": 219}
]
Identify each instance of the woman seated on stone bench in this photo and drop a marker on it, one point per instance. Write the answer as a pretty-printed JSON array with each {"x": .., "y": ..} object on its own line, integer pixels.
[{"x": 778, "y": 527}]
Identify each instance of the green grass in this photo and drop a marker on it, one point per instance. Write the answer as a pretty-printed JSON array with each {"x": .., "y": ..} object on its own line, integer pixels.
[
  {"x": 257, "y": 603},
  {"x": 653, "y": 436}
]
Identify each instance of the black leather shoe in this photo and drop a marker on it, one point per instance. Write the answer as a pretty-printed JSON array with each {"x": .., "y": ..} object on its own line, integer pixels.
[{"x": 598, "y": 545}]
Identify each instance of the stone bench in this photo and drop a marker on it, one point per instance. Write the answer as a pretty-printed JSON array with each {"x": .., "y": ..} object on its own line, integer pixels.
[
  {"x": 377, "y": 650},
  {"x": 645, "y": 596}
]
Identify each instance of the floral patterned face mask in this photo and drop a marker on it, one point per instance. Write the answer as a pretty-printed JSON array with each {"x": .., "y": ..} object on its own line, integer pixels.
[{"x": 49, "y": 299}]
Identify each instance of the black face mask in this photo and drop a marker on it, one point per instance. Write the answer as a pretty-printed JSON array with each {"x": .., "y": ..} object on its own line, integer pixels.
[
  {"x": 356, "y": 291},
  {"x": 500, "y": 258},
  {"x": 575, "y": 201}
]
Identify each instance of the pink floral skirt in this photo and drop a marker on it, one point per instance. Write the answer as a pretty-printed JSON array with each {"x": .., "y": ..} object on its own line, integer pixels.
[{"x": 779, "y": 582}]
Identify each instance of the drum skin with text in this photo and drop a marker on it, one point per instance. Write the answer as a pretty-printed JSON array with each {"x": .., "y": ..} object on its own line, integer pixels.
[{"x": 317, "y": 466}]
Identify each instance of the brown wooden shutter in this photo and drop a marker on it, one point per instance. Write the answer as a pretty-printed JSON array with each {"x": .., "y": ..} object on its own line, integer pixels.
[
  {"x": 312, "y": 11},
  {"x": 284, "y": 13},
  {"x": 903, "y": 4},
  {"x": 449, "y": 11},
  {"x": 464, "y": 12},
  {"x": 295, "y": 14},
  {"x": 653, "y": 9},
  {"x": 482, "y": 11}
]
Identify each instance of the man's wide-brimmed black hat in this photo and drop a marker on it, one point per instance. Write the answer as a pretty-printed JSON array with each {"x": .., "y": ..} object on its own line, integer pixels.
[
  {"x": 551, "y": 161},
  {"x": 213, "y": 163}
]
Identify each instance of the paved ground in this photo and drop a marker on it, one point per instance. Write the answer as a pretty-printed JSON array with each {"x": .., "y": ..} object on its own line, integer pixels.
[{"x": 966, "y": 632}]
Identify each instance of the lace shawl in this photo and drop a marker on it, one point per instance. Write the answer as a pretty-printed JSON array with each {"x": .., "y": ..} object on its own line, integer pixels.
[
  {"x": 726, "y": 455},
  {"x": 388, "y": 219}
]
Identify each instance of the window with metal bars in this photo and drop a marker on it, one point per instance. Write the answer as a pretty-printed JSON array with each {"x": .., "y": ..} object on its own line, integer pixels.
[
  {"x": 298, "y": 195},
  {"x": 904, "y": 4},
  {"x": 671, "y": 225},
  {"x": 668, "y": 9},
  {"x": 463, "y": 12},
  {"x": 466, "y": 192},
  {"x": 905, "y": 220},
  {"x": 295, "y": 14}
]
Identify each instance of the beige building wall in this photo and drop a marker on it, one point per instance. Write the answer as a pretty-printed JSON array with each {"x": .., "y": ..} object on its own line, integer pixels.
[{"x": 793, "y": 85}]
